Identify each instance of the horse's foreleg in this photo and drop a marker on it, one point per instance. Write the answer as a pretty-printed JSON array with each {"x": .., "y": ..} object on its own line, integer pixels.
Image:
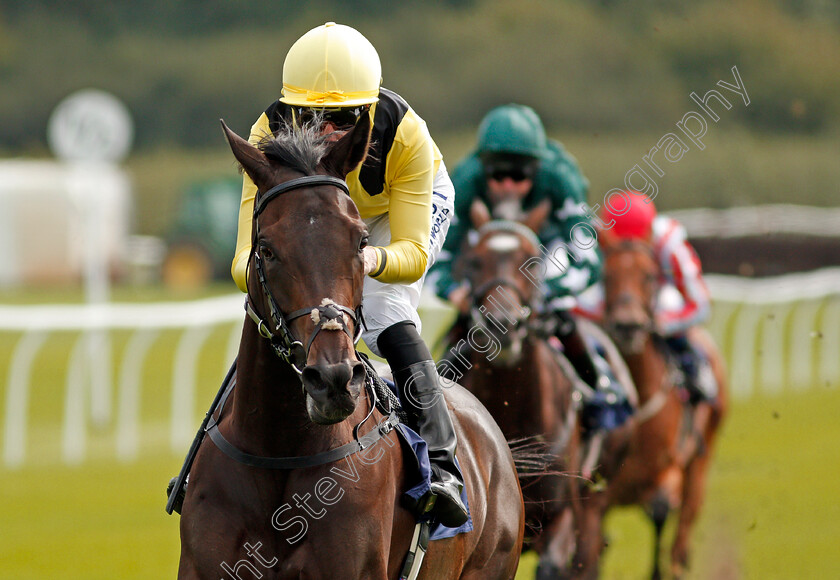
[
  {"x": 658, "y": 511},
  {"x": 694, "y": 489},
  {"x": 560, "y": 546},
  {"x": 693, "y": 493},
  {"x": 591, "y": 541}
]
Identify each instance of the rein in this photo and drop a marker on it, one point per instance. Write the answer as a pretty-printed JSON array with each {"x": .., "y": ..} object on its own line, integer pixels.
[{"x": 327, "y": 316}]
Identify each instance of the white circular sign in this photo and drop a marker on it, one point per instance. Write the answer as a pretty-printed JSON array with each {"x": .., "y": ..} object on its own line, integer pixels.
[{"x": 90, "y": 125}]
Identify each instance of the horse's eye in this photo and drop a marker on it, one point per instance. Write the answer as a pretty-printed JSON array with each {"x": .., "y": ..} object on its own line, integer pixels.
[
  {"x": 363, "y": 242},
  {"x": 266, "y": 252}
]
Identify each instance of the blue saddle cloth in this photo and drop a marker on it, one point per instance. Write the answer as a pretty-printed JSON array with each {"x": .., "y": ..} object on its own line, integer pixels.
[{"x": 420, "y": 473}]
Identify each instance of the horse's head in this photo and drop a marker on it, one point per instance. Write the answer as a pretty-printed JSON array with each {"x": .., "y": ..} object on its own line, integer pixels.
[
  {"x": 501, "y": 294},
  {"x": 306, "y": 272},
  {"x": 631, "y": 285}
]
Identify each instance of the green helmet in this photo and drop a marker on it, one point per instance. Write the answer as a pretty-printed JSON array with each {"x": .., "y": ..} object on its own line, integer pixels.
[{"x": 511, "y": 129}]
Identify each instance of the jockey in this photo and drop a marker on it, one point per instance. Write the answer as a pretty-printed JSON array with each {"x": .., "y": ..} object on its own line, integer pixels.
[
  {"x": 513, "y": 169},
  {"x": 335, "y": 72},
  {"x": 681, "y": 270}
]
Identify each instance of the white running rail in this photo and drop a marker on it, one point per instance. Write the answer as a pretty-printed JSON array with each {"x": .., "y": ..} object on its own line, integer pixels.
[
  {"x": 777, "y": 333},
  {"x": 144, "y": 321},
  {"x": 758, "y": 220}
]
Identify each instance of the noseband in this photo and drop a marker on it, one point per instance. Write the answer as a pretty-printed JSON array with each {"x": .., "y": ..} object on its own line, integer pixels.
[{"x": 327, "y": 316}]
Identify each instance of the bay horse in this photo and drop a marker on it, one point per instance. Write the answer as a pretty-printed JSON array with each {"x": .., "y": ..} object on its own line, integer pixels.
[
  {"x": 506, "y": 360},
  {"x": 665, "y": 468},
  {"x": 276, "y": 494}
]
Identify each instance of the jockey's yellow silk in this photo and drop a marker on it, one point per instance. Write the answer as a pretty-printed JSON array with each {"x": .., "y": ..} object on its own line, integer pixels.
[{"x": 410, "y": 167}]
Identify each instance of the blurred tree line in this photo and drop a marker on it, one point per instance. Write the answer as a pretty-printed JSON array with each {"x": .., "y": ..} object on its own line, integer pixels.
[{"x": 617, "y": 66}]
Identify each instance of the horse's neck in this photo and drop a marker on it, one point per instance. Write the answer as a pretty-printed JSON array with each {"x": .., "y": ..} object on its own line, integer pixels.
[
  {"x": 268, "y": 412},
  {"x": 554, "y": 384},
  {"x": 526, "y": 393},
  {"x": 648, "y": 368}
]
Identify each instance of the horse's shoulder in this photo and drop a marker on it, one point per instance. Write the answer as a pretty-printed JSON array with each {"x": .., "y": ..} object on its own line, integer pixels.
[
  {"x": 470, "y": 413},
  {"x": 460, "y": 399}
]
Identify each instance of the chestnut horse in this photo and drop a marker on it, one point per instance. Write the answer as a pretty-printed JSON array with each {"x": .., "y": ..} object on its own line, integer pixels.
[
  {"x": 508, "y": 362},
  {"x": 324, "y": 513},
  {"x": 665, "y": 468}
]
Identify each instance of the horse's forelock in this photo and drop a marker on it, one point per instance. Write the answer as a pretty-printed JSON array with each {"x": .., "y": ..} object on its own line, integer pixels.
[{"x": 298, "y": 147}]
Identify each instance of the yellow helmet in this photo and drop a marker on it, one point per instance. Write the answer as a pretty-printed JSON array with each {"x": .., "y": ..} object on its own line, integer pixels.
[{"x": 331, "y": 66}]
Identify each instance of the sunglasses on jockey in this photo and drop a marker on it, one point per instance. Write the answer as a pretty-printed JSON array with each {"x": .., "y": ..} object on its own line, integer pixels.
[
  {"x": 340, "y": 117},
  {"x": 515, "y": 173}
]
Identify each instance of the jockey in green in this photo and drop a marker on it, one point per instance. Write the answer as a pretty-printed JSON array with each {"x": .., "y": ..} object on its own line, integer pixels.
[{"x": 514, "y": 169}]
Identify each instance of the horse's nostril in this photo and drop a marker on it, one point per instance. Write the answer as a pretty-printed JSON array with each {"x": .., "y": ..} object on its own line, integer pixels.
[
  {"x": 333, "y": 377},
  {"x": 627, "y": 328},
  {"x": 311, "y": 375},
  {"x": 332, "y": 396},
  {"x": 358, "y": 372}
]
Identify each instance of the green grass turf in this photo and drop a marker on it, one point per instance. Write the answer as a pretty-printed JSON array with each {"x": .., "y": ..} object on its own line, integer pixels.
[
  {"x": 772, "y": 509},
  {"x": 102, "y": 520}
]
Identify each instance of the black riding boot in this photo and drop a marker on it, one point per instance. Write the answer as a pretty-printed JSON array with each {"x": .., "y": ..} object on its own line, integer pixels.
[
  {"x": 701, "y": 386},
  {"x": 422, "y": 397},
  {"x": 699, "y": 378},
  {"x": 607, "y": 407},
  {"x": 576, "y": 350}
]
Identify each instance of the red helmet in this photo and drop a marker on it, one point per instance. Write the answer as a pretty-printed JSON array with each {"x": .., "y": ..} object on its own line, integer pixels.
[{"x": 636, "y": 221}]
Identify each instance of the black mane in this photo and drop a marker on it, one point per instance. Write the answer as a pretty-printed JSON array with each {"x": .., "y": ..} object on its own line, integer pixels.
[{"x": 296, "y": 147}]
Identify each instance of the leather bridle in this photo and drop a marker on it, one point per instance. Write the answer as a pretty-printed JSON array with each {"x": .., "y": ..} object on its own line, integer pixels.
[
  {"x": 637, "y": 246},
  {"x": 326, "y": 315}
]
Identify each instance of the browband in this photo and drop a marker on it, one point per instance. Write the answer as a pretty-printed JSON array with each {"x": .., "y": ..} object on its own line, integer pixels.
[{"x": 308, "y": 180}]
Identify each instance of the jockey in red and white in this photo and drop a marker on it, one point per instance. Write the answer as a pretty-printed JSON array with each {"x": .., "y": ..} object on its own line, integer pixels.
[
  {"x": 678, "y": 261},
  {"x": 683, "y": 299}
]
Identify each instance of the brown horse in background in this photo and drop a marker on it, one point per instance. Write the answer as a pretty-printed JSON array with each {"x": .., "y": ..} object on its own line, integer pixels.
[
  {"x": 300, "y": 394},
  {"x": 665, "y": 468},
  {"x": 527, "y": 385}
]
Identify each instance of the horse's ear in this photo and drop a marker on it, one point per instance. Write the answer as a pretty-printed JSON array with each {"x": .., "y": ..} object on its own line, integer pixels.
[
  {"x": 479, "y": 214},
  {"x": 349, "y": 151},
  {"x": 535, "y": 218},
  {"x": 252, "y": 160}
]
